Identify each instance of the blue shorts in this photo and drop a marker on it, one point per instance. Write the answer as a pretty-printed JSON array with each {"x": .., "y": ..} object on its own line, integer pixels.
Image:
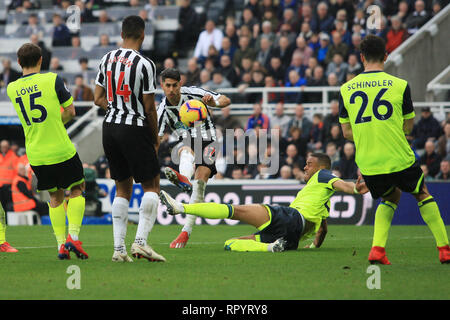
[{"x": 284, "y": 222}]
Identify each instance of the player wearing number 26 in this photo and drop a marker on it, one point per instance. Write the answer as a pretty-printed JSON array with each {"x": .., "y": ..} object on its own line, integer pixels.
[
  {"x": 376, "y": 112},
  {"x": 38, "y": 98}
]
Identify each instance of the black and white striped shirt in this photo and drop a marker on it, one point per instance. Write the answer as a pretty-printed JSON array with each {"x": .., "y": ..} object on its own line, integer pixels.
[
  {"x": 168, "y": 117},
  {"x": 126, "y": 75}
]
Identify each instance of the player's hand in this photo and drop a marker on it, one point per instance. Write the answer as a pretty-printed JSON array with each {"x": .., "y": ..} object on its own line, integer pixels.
[
  {"x": 361, "y": 186},
  {"x": 209, "y": 100}
]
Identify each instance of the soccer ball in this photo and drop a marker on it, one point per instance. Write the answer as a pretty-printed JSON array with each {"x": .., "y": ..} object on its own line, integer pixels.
[{"x": 193, "y": 113}]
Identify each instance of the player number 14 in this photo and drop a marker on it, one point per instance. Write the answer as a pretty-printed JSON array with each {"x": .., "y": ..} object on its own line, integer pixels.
[{"x": 122, "y": 89}]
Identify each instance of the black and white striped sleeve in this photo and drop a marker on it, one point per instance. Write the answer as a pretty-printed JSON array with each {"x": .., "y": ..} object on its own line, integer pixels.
[
  {"x": 199, "y": 93},
  {"x": 100, "y": 79},
  {"x": 162, "y": 118},
  {"x": 148, "y": 76}
]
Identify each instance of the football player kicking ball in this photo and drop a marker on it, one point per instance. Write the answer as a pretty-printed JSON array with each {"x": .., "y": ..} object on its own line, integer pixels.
[
  {"x": 376, "y": 111},
  {"x": 280, "y": 228},
  {"x": 169, "y": 119},
  {"x": 37, "y": 98},
  {"x": 4, "y": 246}
]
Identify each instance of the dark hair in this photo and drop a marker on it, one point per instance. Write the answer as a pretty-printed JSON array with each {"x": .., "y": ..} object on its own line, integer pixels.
[
  {"x": 373, "y": 48},
  {"x": 324, "y": 159},
  {"x": 83, "y": 59},
  {"x": 132, "y": 27},
  {"x": 29, "y": 55},
  {"x": 170, "y": 73}
]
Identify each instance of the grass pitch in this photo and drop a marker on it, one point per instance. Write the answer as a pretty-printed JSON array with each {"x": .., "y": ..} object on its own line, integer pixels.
[{"x": 203, "y": 270}]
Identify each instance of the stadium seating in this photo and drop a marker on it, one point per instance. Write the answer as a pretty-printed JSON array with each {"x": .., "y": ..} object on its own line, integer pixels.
[{"x": 23, "y": 218}]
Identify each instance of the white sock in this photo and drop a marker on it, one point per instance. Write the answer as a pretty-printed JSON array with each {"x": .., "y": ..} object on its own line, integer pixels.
[
  {"x": 186, "y": 166},
  {"x": 120, "y": 219},
  {"x": 147, "y": 216},
  {"x": 198, "y": 195}
]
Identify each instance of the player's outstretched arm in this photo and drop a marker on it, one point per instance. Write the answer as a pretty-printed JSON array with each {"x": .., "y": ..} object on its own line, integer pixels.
[
  {"x": 100, "y": 97},
  {"x": 349, "y": 187},
  {"x": 320, "y": 235},
  {"x": 222, "y": 102},
  {"x": 152, "y": 117},
  {"x": 408, "y": 125}
]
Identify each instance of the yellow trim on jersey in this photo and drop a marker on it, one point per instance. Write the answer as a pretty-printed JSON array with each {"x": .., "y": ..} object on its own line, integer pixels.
[
  {"x": 67, "y": 103},
  {"x": 270, "y": 219}
]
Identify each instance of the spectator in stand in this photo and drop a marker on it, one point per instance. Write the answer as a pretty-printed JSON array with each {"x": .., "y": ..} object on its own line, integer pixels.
[
  {"x": 205, "y": 77},
  {"x": 317, "y": 80},
  {"x": 193, "y": 73},
  {"x": 316, "y": 135},
  {"x": 403, "y": 10},
  {"x": 290, "y": 18},
  {"x": 286, "y": 173},
  {"x": 292, "y": 157},
  {"x": 301, "y": 121},
  {"x": 187, "y": 28},
  {"x": 246, "y": 66},
  {"x": 322, "y": 22},
  {"x": 444, "y": 173},
  {"x": 46, "y": 53},
  {"x": 305, "y": 32},
  {"x": 86, "y": 11},
  {"x": 396, "y": 34},
  {"x": 306, "y": 17},
  {"x": 344, "y": 5},
  {"x": 417, "y": 18},
  {"x": 256, "y": 8},
  {"x": 263, "y": 54},
  {"x": 338, "y": 67},
  {"x": 322, "y": 52},
  {"x": 256, "y": 82},
  {"x": 347, "y": 165},
  {"x": 266, "y": 28},
  {"x": 244, "y": 51},
  {"x": 360, "y": 18},
  {"x": 227, "y": 48},
  {"x": 354, "y": 66},
  {"x": 294, "y": 80},
  {"x": 230, "y": 33},
  {"x": 279, "y": 118},
  {"x": 336, "y": 137},
  {"x": 82, "y": 92},
  {"x": 227, "y": 121},
  {"x": 426, "y": 175},
  {"x": 76, "y": 42},
  {"x": 248, "y": 18},
  {"x": 210, "y": 36},
  {"x": 55, "y": 65},
  {"x": 431, "y": 159},
  {"x": 354, "y": 46},
  {"x": 213, "y": 55},
  {"x": 283, "y": 51},
  {"x": 258, "y": 118},
  {"x": 61, "y": 34},
  {"x": 24, "y": 5},
  {"x": 333, "y": 81},
  {"x": 443, "y": 144},
  {"x": 297, "y": 65},
  {"x": 285, "y": 31},
  {"x": 274, "y": 97},
  {"x": 436, "y": 7},
  {"x": 302, "y": 48},
  {"x": 228, "y": 70},
  {"x": 337, "y": 47},
  {"x": 103, "y": 41},
  {"x": 331, "y": 151},
  {"x": 218, "y": 81},
  {"x": 34, "y": 26},
  {"x": 276, "y": 70},
  {"x": 427, "y": 128},
  {"x": 330, "y": 119},
  {"x": 8, "y": 74}
]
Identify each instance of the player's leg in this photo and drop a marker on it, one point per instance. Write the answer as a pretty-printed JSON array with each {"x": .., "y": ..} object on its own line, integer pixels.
[
  {"x": 4, "y": 246},
  {"x": 186, "y": 167},
  {"x": 75, "y": 213},
  {"x": 57, "y": 215},
  {"x": 119, "y": 212},
  {"x": 201, "y": 177},
  {"x": 431, "y": 215},
  {"x": 148, "y": 211}
]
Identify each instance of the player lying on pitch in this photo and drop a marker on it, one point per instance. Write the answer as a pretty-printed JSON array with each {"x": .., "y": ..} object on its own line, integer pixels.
[{"x": 280, "y": 227}]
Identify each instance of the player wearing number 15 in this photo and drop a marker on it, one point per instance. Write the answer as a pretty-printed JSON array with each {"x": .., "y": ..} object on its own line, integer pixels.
[
  {"x": 376, "y": 112},
  {"x": 37, "y": 99}
]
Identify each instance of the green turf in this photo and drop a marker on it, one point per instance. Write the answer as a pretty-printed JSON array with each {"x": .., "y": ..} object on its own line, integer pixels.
[{"x": 203, "y": 270}]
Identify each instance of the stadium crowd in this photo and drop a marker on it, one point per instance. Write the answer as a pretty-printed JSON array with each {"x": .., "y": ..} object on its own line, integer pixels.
[{"x": 285, "y": 43}]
